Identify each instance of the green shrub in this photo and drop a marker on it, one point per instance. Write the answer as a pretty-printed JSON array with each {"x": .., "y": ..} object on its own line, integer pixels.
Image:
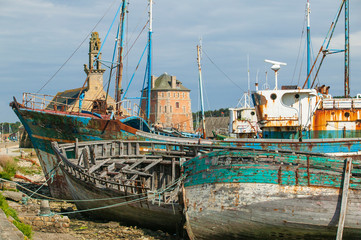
[
  {"x": 24, "y": 228},
  {"x": 9, "y": 167}
]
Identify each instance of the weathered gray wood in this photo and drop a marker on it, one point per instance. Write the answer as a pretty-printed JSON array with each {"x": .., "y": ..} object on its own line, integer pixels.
[
  {"x": 95, "y": 167},
  {"x": 173, "y": 169},
  {"x": 111, "y": 167},
  {"x": 139, "y": 161},
  {"x": 76, "y": 148},
  {"x": 129, "y": 148},
  {"x": 121, "y": 150},
  {"x": 344, "y": 199},
  {"x": 153, "y": 164},
  {"x": 137, "y": 149},
  {"x": 92, "y": 154},
  {"x": 85, "y": 158}
]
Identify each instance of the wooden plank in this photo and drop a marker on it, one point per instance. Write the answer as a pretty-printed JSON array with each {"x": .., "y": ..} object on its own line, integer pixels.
[
  {"x": 85, "y": 158},
  {"x": 344, "y": 198},
  {"x": 139, "y": 161},
  {"x": 92, "y": 154},
  {"x": 173, "y": 169},
  {"x": 152, "y": 164},
  {"x": 95, "y": 167},
  {"x": 76, "y": 148}
]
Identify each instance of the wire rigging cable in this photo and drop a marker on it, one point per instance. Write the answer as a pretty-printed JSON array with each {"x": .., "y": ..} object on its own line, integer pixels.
[
  {"x": 87, "y": 36},
  {"x": 299, "y": 49},
  {"x": 221, "y": 70}
]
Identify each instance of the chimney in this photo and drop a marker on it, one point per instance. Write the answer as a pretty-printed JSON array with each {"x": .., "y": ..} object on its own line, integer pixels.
[
  {"x": 152, "y": 81},
  {"x": 173, "y": 81}
]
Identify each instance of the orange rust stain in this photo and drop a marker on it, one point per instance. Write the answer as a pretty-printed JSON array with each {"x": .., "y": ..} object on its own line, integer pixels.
[
  {"x": 275, "y": 209},
  {"x": 200, "y": 209},
  {"x": 322, "y": 116}
]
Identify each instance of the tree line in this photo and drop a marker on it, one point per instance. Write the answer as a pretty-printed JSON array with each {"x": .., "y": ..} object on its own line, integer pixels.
[
  {"x": 6, "y": 127},
  {"x": 222, "y": 112}
]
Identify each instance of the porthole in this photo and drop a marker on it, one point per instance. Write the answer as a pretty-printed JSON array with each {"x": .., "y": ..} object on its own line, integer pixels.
[
  {"x": 252, "y": 113},
  {"x": 297, "y": 96},
  {"x": 347, "y": 114},
  {"x": 273, "y": 96}
]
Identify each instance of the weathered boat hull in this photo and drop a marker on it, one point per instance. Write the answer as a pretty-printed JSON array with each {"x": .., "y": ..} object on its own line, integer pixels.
[
  {"x": 118, "y": 181},
  {"x": 227, "y": 198},
  {"x": 46, "y": 126},
  {"x": 143, "y": 213}
]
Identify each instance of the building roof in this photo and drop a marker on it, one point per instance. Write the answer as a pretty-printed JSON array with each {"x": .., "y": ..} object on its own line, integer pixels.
[
  {"x": 67, "y": 97},
  {"x": 216, "y": 124},
  {"x": 164, "y": 82}
]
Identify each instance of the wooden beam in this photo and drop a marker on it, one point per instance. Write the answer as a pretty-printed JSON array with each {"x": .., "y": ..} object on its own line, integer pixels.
[
  {"x": 344, "y": 198},
  {"x": 95, "y": 167}
]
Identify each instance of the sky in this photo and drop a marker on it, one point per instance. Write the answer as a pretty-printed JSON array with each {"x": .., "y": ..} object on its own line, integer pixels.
[{"x": 37, "y": 37}]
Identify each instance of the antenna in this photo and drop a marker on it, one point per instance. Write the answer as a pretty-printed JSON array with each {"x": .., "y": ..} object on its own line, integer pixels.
[{"x": 275, "y": 67}]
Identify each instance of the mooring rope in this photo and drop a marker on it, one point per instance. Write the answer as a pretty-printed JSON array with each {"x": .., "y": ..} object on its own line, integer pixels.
[{"x": 156, "y": 192}]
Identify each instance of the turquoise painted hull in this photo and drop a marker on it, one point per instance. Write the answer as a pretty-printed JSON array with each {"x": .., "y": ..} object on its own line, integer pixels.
[
  {"x": 44, "y": 127},
  {"x": 250, "y": 194}
]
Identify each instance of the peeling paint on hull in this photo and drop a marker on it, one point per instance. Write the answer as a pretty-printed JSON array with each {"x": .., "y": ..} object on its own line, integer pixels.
[
  {"x": 43, "y": 128},
  {"x": 232, "y": 195},
  {"x": 140, "y": 213}
]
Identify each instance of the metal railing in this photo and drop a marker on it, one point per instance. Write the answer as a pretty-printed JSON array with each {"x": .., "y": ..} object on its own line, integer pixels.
[{"x": 71, "y": 104}]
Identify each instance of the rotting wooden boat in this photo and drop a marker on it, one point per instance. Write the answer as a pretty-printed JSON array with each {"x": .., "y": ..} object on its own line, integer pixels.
[
  {"x": 122, "y": 181},
  {"x": 259, "y": 195},
  {"x": 65, "y": 117}
]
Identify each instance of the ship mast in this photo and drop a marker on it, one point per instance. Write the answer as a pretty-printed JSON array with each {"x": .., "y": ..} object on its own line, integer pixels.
[
  {"x": 118, "y": 86},
  {"x": 149, "y": 58},
  {"x": 308, "y": 44},
  {"x": 347, "y": 50},
  {"x": 201, "y": 88}
]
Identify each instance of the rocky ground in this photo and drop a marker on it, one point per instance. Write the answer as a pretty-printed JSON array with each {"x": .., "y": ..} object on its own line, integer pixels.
[{"x": 79, "y": 226}]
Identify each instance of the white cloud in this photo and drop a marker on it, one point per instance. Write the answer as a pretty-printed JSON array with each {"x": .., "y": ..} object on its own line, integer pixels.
[{"x": 36, "y": 37}]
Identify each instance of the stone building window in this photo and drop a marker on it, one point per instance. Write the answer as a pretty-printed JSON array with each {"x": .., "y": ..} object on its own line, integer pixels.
[
  {"x": 178, "y": 95},
  {"x": 177, "y": 105},
  {"x": 170, "y": 109},
  {"x": 165, "y": 109},
  {"x": 183, "y": 95},
  {"x": 184, "y": 109}
]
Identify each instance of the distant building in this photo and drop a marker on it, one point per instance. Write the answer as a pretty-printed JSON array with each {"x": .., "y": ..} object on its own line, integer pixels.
[
  {"x": 94, "y": 94},
  {"x": 170, "y": 103},
  {"x": 217, "y": 125}
]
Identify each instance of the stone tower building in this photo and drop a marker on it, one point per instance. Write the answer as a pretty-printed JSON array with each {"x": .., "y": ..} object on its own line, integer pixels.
[
  {"x": 170, "y": 103},
  {"x": 94, "y": 94}
]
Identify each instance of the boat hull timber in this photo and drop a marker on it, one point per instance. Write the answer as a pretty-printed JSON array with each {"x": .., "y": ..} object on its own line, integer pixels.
[
  {"x": 231, "y": 195},
  {"x": 45, "y": 126},
  {"x": 117, "y": 181}
]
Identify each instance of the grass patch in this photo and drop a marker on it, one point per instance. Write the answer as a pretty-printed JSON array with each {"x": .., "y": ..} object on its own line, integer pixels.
[
  {"x": 8, "y": 167},
  {"x": 34, "y": 169},
  {"x": 24, "y": 228}
]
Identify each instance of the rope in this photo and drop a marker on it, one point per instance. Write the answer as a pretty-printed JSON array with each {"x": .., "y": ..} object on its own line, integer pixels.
[
  {"x": 177, "y": 181},
  {"x": 221, "y": 71},
  {"x": 126, "y": 202}
]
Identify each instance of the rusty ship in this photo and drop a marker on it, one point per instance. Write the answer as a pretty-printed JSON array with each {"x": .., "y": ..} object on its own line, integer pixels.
[
  {"x": 62, "y": 118},
  {"x": 87, "y": 113},
  {"x": 310, "y": 112}
]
